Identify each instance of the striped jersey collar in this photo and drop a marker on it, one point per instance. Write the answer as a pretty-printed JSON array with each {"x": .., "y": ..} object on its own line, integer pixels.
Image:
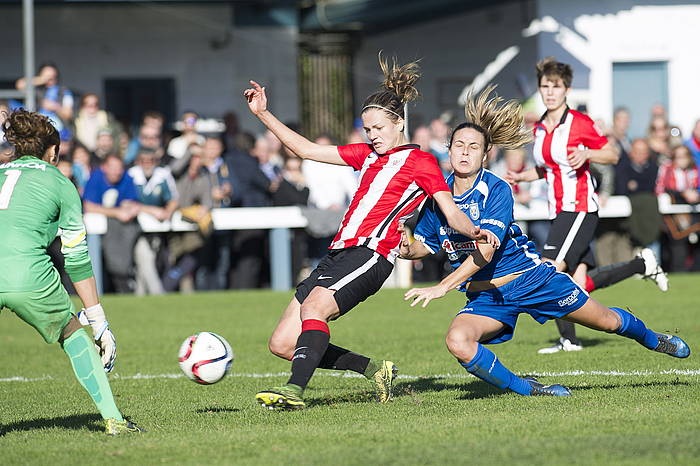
[
  {"x": 540, "y": 122},
  {"x": 400, "y": 148}
]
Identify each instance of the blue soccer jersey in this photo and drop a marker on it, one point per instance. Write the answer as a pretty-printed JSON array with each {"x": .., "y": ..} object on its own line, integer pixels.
[{"x": 489, "y": 205}]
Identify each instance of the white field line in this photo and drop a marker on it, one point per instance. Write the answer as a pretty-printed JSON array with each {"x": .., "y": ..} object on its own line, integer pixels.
[{"x": 139, "y": 376}]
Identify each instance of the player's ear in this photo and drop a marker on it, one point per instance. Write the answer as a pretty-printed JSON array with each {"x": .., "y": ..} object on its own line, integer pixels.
[{"x": 51, "y": 155}]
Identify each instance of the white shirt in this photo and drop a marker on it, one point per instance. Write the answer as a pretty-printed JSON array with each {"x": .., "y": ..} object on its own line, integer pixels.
[{"x": 329, "y": 184}]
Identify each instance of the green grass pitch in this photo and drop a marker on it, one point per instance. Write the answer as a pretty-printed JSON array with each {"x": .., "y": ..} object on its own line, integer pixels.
[{"x": 629, "y": 405}]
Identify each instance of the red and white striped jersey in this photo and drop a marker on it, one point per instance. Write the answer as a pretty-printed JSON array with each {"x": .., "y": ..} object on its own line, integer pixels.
[
  {"x": 568, "y": 190},
  {"x": 676, "y": 179},
  {"x": 392, "y": 185}
]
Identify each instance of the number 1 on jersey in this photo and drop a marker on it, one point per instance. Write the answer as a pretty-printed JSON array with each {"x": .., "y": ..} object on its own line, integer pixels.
[{"x": 7, "y": 187}]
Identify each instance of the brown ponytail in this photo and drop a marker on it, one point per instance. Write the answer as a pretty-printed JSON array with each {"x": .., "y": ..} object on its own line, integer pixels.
[{"x": 398, "y": 88}]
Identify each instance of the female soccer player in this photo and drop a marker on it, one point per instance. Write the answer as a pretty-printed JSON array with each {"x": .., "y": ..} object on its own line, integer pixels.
[
  {"x": 395, "y": 178},
  {"x": 505, "y": 282},
  {"x": 566, "y": 142},
  {"x": 35, "y": 201}
]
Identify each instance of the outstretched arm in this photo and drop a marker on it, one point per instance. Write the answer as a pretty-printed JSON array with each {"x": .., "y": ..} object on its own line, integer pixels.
[
  {"x": 471, "y": 265},
  {"x": 531, "y": 174},
  {"x": 460, "y": 222},
  {"x": 257, "y": 103}
]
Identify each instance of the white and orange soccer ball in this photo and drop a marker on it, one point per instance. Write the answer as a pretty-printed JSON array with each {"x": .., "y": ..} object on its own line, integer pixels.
[{"x": 205, "y": 357}]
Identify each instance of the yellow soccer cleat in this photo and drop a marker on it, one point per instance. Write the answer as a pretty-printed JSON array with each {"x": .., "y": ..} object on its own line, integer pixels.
[
  {"x": 285, "y": 397},
  {"x": 383, "y": 381},
  {"x": 115, "y": 427}
]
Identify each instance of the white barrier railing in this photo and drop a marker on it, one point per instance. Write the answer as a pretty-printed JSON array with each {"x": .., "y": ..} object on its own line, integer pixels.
[{"x": 280, "y": 219}]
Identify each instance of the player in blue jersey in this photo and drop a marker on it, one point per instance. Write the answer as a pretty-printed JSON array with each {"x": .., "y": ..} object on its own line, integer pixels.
[{"x": 503, "y": 283}]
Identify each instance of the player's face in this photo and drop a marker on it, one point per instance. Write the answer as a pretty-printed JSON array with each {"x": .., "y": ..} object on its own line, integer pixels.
[
  {"x": 382, "y": 133},
  {"x": 553, "y": 92},
  {"x": 467, "y": 152}
]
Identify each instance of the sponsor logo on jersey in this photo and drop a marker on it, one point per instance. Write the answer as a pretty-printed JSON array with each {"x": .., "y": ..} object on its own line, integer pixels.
[
  {"x": 569, "y": 300},
  {"x": 40, "y": 166},
  {"x": 493, "y": 221},
  {"x": 455, "y": 247}
]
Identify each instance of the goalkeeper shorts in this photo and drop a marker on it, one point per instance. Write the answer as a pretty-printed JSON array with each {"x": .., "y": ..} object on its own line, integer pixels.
[{"x": 48, "y": 310}]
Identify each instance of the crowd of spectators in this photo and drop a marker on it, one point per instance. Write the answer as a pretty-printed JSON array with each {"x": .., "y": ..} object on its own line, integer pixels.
[{"x": 166, "y": 168}]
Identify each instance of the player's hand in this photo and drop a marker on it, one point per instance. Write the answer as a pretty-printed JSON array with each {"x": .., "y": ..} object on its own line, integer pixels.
[
  {"x": 577, "y": 158},
  {"x": 425, "y": 294},
  {"x": 257, "y": 100},
  {"x": 107, "y": 349},
  {"x": 105, "y": 343},
  {"x": 512, "y": 177},
  {"x": 488, "y": 237},
  {"x": 405, "y": 244}
]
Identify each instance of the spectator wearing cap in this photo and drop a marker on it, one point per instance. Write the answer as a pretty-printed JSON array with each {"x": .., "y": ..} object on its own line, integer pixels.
[
  {"x": 104, "y": 146},
  {"x": 180, "y": 148}
]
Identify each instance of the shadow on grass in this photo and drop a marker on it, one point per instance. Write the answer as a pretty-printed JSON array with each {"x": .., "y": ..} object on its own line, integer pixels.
[
  {"x": 473, "y": 389},
  {"x": 476, "y": 389},
  {"x": 670, "y": 383},
  {"x": 216, "y": 409},
  {"x": 92, "y": 422},
  {"x": 351, "y": 397}
]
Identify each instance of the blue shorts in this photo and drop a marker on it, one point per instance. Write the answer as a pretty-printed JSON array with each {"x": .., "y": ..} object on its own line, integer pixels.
[{"x": 542, "y": 292}]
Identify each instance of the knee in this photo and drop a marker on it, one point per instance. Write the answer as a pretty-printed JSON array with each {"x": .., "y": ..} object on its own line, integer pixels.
[
  {"x": 71, "y": 327},
  {"x": 612, "y": 322},
  {"x": 461, "y": 345},
  {"x": 281, "y": 348}
]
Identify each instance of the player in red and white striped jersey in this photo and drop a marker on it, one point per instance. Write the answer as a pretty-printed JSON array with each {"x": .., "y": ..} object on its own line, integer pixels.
[
  {"x": 395, "y": 179},
  {"x": 566, "y": 141}
]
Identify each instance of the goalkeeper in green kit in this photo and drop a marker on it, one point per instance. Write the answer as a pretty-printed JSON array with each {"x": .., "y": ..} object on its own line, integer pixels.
[{"x": 36, "y": 200}]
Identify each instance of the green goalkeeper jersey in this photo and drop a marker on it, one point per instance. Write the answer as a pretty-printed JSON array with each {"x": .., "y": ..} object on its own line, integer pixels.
[{"x": 36, "y": 200}]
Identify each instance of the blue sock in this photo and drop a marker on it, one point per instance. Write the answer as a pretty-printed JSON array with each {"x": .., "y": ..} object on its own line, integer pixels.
[
  {"x": 635, "y": 329},
  {"x": 488, "y": 368}
]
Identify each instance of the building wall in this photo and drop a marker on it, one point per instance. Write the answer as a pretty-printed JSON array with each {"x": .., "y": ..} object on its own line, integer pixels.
[
  {"x": 597, "y": 34},
  {"x": 453, "y": 52},
  {"x": 194, "y": 44}
]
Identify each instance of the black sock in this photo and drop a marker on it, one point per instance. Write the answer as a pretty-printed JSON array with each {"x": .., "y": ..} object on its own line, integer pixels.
[
  {"x": 341, "y": 359},
  {"x": 311, "y": 346},
  {"x": 567, "y": 330},
  {"x": 610, "y": 274}
]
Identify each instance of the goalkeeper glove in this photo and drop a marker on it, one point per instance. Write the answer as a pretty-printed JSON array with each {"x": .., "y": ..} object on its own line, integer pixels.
[{"x": 105, "y": 343}]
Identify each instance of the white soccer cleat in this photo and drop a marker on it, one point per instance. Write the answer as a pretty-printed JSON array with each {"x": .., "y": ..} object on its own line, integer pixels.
[
  {"x": 562, "y": 345},
  {"x": 653, "y": 270}
]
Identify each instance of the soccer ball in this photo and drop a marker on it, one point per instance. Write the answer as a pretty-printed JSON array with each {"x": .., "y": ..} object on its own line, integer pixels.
[{"x": 205, "y": 357}]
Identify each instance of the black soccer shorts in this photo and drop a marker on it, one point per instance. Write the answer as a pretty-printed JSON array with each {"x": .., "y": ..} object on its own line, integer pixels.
[
  {"x": 354, "y": 273},
  {"x": 569, "y": 239}
]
